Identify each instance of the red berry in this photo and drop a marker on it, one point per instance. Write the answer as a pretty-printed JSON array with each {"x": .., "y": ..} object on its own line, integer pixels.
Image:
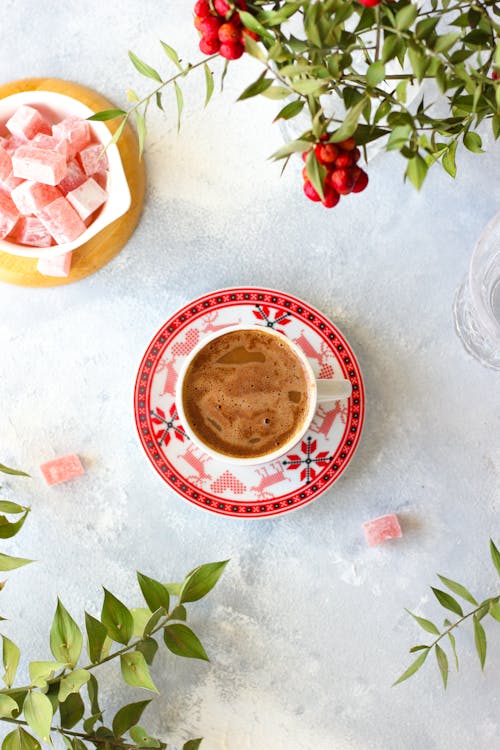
[
  {"x": 369, "y": 3},
  {"x": 348, "y": 145},
  {"x": 342, "y": 180},
  {"x": 209, "y": 46},
  {"x": 209, "y": 28},
  {"x": 197, "y": 22},
  {"x": 304, "y": 173},
  {"x": 229, "y": 33},
  {"x": 305, "y": 154},
  {"x": 360, "y": 182},
  {"x": 311, "y": 192},
  {"x": 231, "y": 50},
  {"x": 202, "y": 8},
  {"x": 326, "y": 153},
  {"x": 495, "y": 75},
  {"x": 222, "y": 7},
  {"x": 355, "y": 154},
  {"x": 343, "y": 160},
  {"x": 331, "y": 197},
  {"x": 252, "y": 34}
]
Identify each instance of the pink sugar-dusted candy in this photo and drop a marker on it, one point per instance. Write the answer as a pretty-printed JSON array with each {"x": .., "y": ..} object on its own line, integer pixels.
[
  {"x": 27, "y": 122},
  {"x": 14, "y": 142},
  {"x": 381, "y": 529},
  {"x": 10, "y": 183},
  {"x": 59, "y": 265},
  {"x": 75, "y": 131},
  {"x": 93, "y": 159},
  {"x": 62, "y": 469},
  {"x": 87, "y": 198},
  {"x": 62, "y": 221},
  {"x": 39, "y": 165},
  {"x": 51, "y": 144},
  {"x": 31, "y": 197},
  {"x": 75, "y": 177},
  {"x": 8, "y": 214},
  {"x": 5, "y": 164},
  {"x": 30, "y": 231}
]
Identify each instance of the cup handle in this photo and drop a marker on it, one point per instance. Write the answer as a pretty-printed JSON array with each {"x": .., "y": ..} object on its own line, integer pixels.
[{"x": 333, "y": 390}]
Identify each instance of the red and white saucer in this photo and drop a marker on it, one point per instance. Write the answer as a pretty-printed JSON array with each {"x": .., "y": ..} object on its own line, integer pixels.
[{"x": 269, "y": 489}]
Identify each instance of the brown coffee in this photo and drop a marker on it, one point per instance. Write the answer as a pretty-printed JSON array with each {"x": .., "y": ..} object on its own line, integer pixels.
[{"x": 246, "y": 393}]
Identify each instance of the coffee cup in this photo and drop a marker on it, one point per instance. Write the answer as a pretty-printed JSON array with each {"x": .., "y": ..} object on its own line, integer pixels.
[{"x": 236, "y": 376}]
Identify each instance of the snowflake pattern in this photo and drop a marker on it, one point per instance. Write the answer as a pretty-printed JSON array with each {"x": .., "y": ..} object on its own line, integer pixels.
[
  {"x": 167, "y": 426},
  {"x": 271, "y": 318},
  {"x": 308, "y": 461}
]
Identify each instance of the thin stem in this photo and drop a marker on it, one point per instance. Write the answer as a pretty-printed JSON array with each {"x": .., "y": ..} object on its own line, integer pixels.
[
  {"x": 465, "y": 617},
  {"x": 88, "y": 737}
]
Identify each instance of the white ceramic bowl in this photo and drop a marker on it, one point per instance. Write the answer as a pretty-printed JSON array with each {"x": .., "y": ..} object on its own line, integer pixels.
[{"x": 56, "y": 107}]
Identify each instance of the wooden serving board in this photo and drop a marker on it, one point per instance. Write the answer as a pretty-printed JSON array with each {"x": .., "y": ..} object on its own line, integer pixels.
[{"x": 99, "y": 250}]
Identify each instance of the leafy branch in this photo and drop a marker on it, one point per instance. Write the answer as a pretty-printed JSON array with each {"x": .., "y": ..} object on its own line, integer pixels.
[
  {"x": 489, "y": 606},
  {"x": 9, "y": 528}
]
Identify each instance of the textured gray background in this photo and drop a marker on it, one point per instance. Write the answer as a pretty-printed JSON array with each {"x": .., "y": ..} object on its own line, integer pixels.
[{"x": 306, "y": 630}]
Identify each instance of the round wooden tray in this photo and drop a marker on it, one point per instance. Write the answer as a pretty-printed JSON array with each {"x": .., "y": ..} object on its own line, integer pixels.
[{"x": 99, "y": 250}]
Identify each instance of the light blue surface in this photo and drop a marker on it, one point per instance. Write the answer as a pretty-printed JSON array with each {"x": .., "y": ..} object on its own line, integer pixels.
[{"x": 306, "y": 630}]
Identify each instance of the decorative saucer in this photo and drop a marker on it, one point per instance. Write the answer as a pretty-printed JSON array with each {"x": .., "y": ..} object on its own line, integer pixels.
[{"x": 268, "y": 489}]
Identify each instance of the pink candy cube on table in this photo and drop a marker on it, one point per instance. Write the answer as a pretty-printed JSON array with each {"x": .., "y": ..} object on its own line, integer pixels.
[
  {"x": 39, "y": 165},
  {"x": 31, "y": 197},
  {"x": 59, "y": 265},
  {"x": 8, "y": 214},
  {"x": 30, "y": 231},
  {"x": 62, "y": 221},
  {"x": 61, "y": 469},
  {"x": 75, "y": 176},
  {"x": 381, "y": 529},
  {"x": 94, "y": 159},
  {"x": 51, "y": 144},
  {"x": 26, "y": 122},
  {"x": 75, "y": 132},
  {"x": 87, "y": 198},
  {"x": 5, "y": 164}
]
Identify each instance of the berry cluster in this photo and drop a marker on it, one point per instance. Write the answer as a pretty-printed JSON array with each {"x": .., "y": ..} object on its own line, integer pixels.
[
  {"x": 221, "y": 28},
  {"x": 343, "y": 176}
]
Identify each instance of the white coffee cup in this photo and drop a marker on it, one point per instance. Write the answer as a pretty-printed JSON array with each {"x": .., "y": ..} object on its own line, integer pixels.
[{"x": 319, "y": 391}]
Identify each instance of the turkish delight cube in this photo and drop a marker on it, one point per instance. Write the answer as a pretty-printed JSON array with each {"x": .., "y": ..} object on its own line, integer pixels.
[
  {"x": 8, "y": 214},
  {"x": 39, "y": 165},
  {"x": 14, "y": 142},
  {"x": 381, "y": 529},
  {"x": 62, "y": 221},
  {"x": 51, "y": 144},
  {"x": 75, "y": 176},
  {"x": 31, "y": 197},
  {"x": 27, "y": 122},
  {"x": 59, "y": 265},
  {"x": 30, "y": 231},
  {"x": 61, "y": 469},
  {"x": 10, "y": 183},
  {"x": 75, "y": 131},
  {"x": 5, "y": 164},
  {"x": 94, "y": 159},
  {"x": 87, "y": 198}
]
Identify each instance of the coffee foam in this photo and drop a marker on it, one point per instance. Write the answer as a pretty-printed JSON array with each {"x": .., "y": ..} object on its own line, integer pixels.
[{"x": 246, "y": 393}]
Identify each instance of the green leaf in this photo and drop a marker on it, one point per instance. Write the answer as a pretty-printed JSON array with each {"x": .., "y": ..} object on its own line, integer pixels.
[
  {"x": 128, "y": 716},
  {"x": 72, "y": 683},
  {"x": 148, "y": 647},
  {"x": 453, "y": 648},
  {"x": 38, "y": 714},
  {"x": 290, "y": 110},
  {"x": 8, "y": 529},
  {"x": 65, "y": 637},
  {"x": 257, "y": 87},
  {"x": 290, "y": 148},
  {"x": 448, "y": 160},
  {"x": 119, "y": 130},
  {"x": 13, "y": 472},
  {"x": 93, "y": 691},
  {"x": 107, "y": 114},
  {"x": 495, "y": 554},
  {"x": 250, "y": 22},
  {"x": 174, "y": 589},
  {"x": 142, "y": 738},
  {"x": 71, "y": 710},
  {"x": 209, "y": 83},
  {"x": 316, "y": 173},
  {"x": 417, "y": 170},
  {"x": 473, "y": 142},
  {"x": 181, "y": 640},
  {"x": 141, "y": 616},
  {"x": 414, "y": 649},
  {"x": 141, "y": 130},
  {"x": 153, "y": 621},
  {"x": 412, "y": 668},
  {"x": 445, "y": 42},
  {"x": 375, "y": 73},
  {"x": 458, "y": 589},
  {"x": 154, "y": 593},
  {"x": 447, "y": 601},
  {"x": 348, "y": 127},
  {"x": 309, "y": 86},
  {"x": 96, "y": 635},
  {"x": 135, "y": 671},
  {"x": 19, "y": 739},
  {"x": 180, "y": 103},
  {"x": 390, "y": 48},
  {"x": 406, "y": 16},
  {"x": 192, "y": 744},
  {"x": 480, "y": 641},
  {"x": 117, "y": 618},
  {"x": 425, "y": 624},
  {"x": 253, "y": 48},
  {"x": 172, "y": 55},
  {"x": 7, "y": 562},
  {"x": 398, "y": 137},
  {"x": 179, "y": 613},
  {"x": 8, "y": 706},
  {"x": 495, "y": 611},
  {"x": 144, "y": 68},
  {"x": 201, "y": 580},
  {"x": 276, "y": 92},
  {"x": 10, "y": 657},
  {"x": 442, "y": 661},
  {"x": 43, "y": 671},
  {"x": 91, "y": 721},
  {"x": 6, "y": 506}
]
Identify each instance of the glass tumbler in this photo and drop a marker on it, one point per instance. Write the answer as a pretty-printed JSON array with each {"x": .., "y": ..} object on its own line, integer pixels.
[{"x": 477, "y": 301}]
